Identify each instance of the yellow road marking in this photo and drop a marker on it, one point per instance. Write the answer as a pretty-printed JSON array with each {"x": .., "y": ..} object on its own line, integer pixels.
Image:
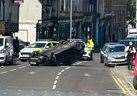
[{"x": 122, "y": 85}]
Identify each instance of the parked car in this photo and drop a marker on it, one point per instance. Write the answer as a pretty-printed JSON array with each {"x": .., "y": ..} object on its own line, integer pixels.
[
  {"x": 6, "y": 50},
  {"x": 26, "y": 52},
  {"x": 127, "y": 40},
  {"x": 112, "y": 54}
]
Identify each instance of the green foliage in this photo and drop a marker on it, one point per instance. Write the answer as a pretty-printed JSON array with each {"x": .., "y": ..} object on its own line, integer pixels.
[{"x": 131, "y": 11}]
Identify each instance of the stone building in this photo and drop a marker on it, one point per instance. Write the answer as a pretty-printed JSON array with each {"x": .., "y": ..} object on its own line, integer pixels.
[
  {"x": 9, "y": 16},
  {"x": 112, "y": 22},
  {"x": 56, "y": 19},
  {"x": 30, "y": 13}
]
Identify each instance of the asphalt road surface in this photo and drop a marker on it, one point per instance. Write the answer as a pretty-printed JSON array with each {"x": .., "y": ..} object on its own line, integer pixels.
[{"x": 83, "y": 78}]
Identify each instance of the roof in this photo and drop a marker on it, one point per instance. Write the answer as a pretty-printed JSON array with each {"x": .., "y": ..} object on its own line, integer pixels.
[
  {"x": 114, "y": 44},
  {"x": 41, "y": 41},
  {"x": 46, "y": 41},
  {"x": 5, "y": 36}
]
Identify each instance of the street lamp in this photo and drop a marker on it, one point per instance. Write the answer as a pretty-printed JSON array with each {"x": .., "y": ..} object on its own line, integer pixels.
[{"x": 70, "y": 20}]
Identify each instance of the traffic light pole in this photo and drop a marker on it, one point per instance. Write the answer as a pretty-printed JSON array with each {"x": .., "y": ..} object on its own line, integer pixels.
[
  {"x": 70, "y": 20},
  {"x": 136, "y": 14}
]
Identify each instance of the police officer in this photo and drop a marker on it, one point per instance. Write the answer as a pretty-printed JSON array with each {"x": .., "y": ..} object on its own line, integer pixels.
[
  {"x": 90, "y": 46},
  {"x": 130, "y": 50},
  {"x": 16, "y": 46}
]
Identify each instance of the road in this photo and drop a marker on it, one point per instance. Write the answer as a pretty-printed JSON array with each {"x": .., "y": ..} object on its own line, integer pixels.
[{"x": 83, "y": 78}]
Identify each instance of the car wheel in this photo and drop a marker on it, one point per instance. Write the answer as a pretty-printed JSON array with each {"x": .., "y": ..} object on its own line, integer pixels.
[{"x": 135, "y": 82}]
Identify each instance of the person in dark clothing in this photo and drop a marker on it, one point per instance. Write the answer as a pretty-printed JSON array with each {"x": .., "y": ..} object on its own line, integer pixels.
[
  {"x": 16, "y": 46},
  {"x": 130, "y": 50}
]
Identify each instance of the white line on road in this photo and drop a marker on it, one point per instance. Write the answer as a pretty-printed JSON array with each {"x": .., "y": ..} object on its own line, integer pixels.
[
  {"x": 58, "y": 75},
  {"x": 4, "y": 72},
  {"x": 22, "y": 67},
  {"x": 12, "y": 70},
  {"x": 54, "y": 87},
  {"x": 55, "y": 82},
  {"x": 57, "y": 78},
  {"x": 67, "y": 68}
]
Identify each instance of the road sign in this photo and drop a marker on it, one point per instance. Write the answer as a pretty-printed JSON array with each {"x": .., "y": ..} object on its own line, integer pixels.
[{"x": 2, "y": 27}]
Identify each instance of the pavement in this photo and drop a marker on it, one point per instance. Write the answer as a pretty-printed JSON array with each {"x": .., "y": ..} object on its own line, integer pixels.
[{"x": 124, "y": 79}]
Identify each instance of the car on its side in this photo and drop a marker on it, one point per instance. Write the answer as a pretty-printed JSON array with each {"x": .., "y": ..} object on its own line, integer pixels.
[
  {"x": 26, "y": 52},
  {"x": 112, "y": 54}
]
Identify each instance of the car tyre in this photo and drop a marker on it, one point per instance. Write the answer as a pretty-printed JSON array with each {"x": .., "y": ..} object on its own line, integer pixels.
[
  {"x": 101, "y": 59},
  {"x": 135, "y": 82}
]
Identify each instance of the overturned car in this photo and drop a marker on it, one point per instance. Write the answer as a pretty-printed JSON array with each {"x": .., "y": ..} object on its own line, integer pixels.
[{"x": 65, "y": 54}]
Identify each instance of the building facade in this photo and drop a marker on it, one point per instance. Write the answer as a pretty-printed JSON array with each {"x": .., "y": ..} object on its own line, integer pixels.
[
  {"x": 28, "y": 18},
  {"x": 9, "y": 16},
  {"x": 112, "y": 22},
  {"x": 56, "y": 19}
]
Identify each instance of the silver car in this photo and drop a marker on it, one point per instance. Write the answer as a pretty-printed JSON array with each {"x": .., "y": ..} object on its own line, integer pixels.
[{"x": 112, "y": 54}]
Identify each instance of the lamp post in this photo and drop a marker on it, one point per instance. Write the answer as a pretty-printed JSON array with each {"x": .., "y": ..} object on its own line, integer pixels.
[
  {"x": 70, "y": 20},
  {"x": 136, "y": 14}
]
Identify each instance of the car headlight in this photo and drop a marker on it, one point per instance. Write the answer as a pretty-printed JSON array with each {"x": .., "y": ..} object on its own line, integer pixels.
[{"x": 111, "y": 59}]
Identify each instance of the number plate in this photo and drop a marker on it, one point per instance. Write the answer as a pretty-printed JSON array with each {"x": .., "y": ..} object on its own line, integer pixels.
[
  {"x": 120, "y": 60},
  {"x": 33, "y": 63},
  {"x": 25, "y": 55}
]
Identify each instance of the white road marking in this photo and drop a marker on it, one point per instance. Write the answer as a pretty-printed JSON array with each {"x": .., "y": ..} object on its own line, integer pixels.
[
  {"x": 57, "y": 78},
  {"x": 4, "y": 72},
  {"x": 55, "y": 82},
  {"x": 12, "y": 70},
  {"x": 54, "y": 87},
  {"x": 67, "y": 68},
  {"x": 78, "y": 63},
  {"x": 62, "y": 71},
  {"x": 86, "y": 75},
  {"x": 59, "y": 74},
  {"x": 22, "y": 67},
  {"x": 32, "y": 73}
]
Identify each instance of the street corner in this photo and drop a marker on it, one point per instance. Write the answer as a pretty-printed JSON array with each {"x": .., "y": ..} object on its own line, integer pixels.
[{"x": 124, "y": 79}]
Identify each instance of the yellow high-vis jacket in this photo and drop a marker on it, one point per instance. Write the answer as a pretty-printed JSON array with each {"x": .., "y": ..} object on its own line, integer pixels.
[
  {"x": 40, "y": 51},
  {"x": 90, "y": 44}
]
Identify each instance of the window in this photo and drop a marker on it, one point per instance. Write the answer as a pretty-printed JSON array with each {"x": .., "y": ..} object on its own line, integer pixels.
[
  {"x": 1, "y": 10},
  {"x": 62, "y": 5}
]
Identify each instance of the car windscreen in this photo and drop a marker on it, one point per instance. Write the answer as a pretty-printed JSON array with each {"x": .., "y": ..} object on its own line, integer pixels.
[
  {"x": 1, "y": 41},
  {"x": 117, "y": 49},
  {"x": 37, "y": 45}
]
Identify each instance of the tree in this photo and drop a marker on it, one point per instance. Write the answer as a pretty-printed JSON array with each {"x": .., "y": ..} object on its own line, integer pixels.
[{"x": 131, "y": 12}]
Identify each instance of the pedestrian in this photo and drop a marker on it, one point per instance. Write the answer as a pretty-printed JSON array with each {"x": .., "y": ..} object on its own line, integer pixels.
[
  {"x": 16, "y": 46},
  {"x": 130, "y": 50},
  {"x": 90, "y": 46}
]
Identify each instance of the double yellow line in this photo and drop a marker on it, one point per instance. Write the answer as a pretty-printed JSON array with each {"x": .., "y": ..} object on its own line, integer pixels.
[{"x": 122, "y": 85}]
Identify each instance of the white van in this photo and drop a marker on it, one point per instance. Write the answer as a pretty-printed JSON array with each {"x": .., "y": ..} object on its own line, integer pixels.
[{"x": 6, "y": 50}]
